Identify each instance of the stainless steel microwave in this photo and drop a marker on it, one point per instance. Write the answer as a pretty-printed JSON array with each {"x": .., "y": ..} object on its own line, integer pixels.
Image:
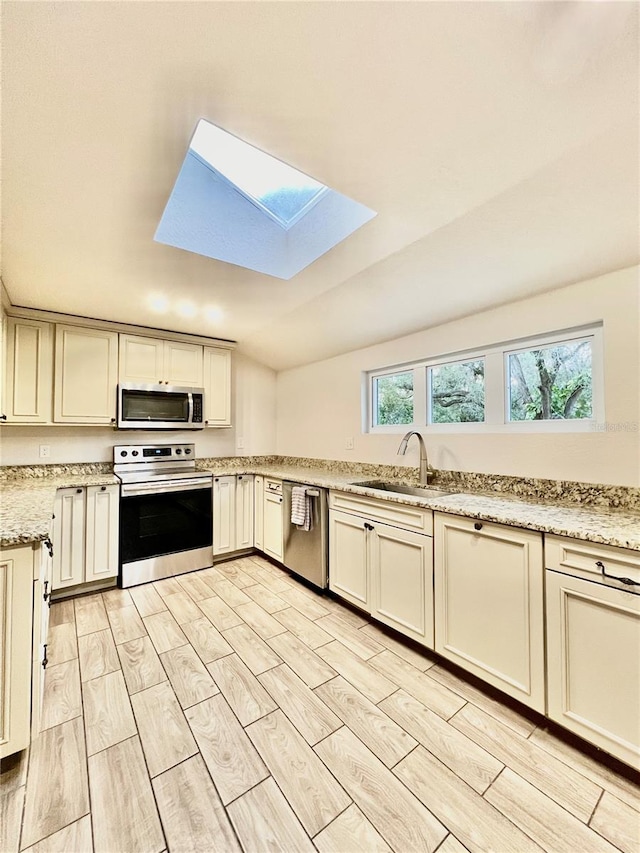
[{"x": 159, "y": 407}]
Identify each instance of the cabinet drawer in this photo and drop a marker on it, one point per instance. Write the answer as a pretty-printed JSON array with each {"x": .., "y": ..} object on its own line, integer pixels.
[
  {"x": 575, "y": 557},
  {"x": 401, "y": 515}
]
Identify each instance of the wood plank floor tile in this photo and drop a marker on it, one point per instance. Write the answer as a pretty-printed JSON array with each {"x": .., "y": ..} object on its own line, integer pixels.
[
  {"x": 211, "y": 574},
  {"x": 361, "y": 644},
  {"x": 75, "y": 838},
  {"x": 619, "y": 822},
  {"x": 265, "y": 821},
  {"x": 356, "y": 671},
  {"x": 11, "y": 806},
  {"x": 164, "y": 631},
  {"x": 195, "y": 586},
  {"x": 404, "y": 823},
  {"x": 164, "y": 732},
  {"x": 551, "y": 826},
  {"x": 304, "y": 603},
  {"x": 126, "y": 624},
  {"x": 268, "y": 600},
  {"x": 395, "y": 644},
  {"x": 310, "y": 789},
  {"x": 62, "y": 643},
  {"x": 507, "y": 715},
  {"x": 123, "y": 809},
  {"x": 97, "y": 654},
  {"x": 206, "y": 640},
  {"x": 183, "y": 607},
  {"x": 90, "y": 614},
  {"x": 354, "y": 618},
  {"x": 191, "y": 812},
  {"x": 455, "y": 750},
  {"x": 62, "y": 699},
  {"x": 262, "y": 622},
  {"x": 229, "y": 593},
  {"x": 257, "y": 655},
  {"x": 147, "y": 600},
  {"x": 301, "y": 627},
  {"x": 219, "y": 613},
  {"x": 62, "y": 612},
  {"x": 141, "y": 665},
  {"x": 385, "y": 738},
  {"x": 241, "y": 689},
  {"x": 621, "y": 787},
  {"x": 452, "y": 845},
  {"x": 107, "y": 712},
  {"x": 478, "y": 825},
  {"x": 57, "y": 788},
  {"x": 352, "y": 832},
  {"x": 433, "y": 695},
  {"x": 306, "y": 663},
  {"x": 308, "y": 713},
  {"x": 563, "y": 784},
  {"x": 188, "y": 676},
  {"x": 167, "y": 586},
  {"x": 232, "y": 760},
  {"x": 233, "y": 572},
  {"x": 116, "y": 598}
]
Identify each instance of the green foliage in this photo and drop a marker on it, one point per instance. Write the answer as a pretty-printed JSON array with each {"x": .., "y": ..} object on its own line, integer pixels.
[
  {"x": 457, "y": 393},
  {"x": 394, "y": 398},
  {"x": 551, "y": 383}
]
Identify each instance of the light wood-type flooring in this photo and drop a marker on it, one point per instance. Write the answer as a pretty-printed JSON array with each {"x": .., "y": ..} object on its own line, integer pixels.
[{"x": 236, "y": 709}]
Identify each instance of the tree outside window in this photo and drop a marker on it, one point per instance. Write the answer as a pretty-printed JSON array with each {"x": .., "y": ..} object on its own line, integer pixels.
[
  {"x": 393, "y": 399},
  {"x": 457, "y": 392}
]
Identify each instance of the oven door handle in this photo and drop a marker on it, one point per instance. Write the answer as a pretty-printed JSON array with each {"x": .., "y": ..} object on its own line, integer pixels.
[{"x": 134, "y": 489}]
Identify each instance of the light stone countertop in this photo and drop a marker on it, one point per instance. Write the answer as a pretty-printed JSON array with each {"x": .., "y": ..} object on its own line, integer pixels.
[{"x": 26, "y": 505}]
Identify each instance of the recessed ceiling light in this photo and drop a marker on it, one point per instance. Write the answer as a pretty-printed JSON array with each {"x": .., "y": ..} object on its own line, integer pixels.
[
  {"x": 214, "y": 314},
  {"x": 159, "y": 303},
  {"x": 186, "y": 308}
]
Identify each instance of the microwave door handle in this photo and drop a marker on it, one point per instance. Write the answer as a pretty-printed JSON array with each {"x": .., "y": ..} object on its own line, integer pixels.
[{"x": 190, "y": 415}]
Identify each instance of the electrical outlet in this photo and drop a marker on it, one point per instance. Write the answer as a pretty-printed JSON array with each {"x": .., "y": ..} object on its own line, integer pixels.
[
  {"x": 240, "y": 443},
  {"x": 45, "y": 451},
  {"x": 349, "y": 443}
]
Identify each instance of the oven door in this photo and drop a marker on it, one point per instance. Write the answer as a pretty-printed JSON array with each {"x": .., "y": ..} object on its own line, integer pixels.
[{"x": 165, "y": 529}]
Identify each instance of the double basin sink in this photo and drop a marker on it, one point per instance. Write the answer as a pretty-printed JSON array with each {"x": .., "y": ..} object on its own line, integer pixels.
[{"x": 400, "y": 489}]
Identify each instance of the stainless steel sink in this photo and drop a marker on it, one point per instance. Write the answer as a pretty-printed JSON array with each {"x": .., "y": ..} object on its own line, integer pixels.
[{"x": 400, "y": 489}]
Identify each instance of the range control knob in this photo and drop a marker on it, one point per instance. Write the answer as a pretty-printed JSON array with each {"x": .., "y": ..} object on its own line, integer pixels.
[
  {"x": 178, "y": 451},
  {"x": 134, "y": 452},
  {"x": 123, "y": 453},
  {"x": 187, "y": 450}
]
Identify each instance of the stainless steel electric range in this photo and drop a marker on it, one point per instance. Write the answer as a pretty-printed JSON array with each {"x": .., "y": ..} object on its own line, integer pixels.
[{"x": 166, "y": 512}]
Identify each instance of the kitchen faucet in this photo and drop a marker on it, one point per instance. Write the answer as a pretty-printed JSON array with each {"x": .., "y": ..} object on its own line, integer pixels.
[{"x": 425, "y": 469}]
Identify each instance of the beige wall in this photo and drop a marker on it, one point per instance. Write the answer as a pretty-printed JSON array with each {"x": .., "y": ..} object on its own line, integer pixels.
[
  {"x": 253, "y": 416},
  {"x": 319, "y": 404}
]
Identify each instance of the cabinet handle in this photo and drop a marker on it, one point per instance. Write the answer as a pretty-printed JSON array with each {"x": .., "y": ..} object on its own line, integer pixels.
[
  {"x": 368, "y": 526},
  {"x": 113, "y": 420},
  {"x": 46, "y": 594},
  {"x": 49, "y": 546},
  {"x": 103, "y": 488},
  {"x": 627, "y": 581},
  {"x": 477, "y": 526},
  {"x": 3, "y": 417},
  {"x": 216, "y": 479},
  {"x": 79, "y": 491},
  {"x": 280, "y": 500},
  {"x": 239, "y": 476},
  {"x": 45, "y": 659}
]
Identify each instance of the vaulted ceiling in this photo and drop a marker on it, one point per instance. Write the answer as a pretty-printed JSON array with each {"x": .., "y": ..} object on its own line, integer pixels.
[{"x": 498, "y": 143}]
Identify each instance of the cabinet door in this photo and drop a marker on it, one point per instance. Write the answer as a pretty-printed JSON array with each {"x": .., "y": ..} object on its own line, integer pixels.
[
  {"x": 141, "y": 360},
  {"x": 244, "y": 511},
  {"x": 258, "y": 510},
  {"x": 183, "y": 364},
  {"x": 29, "y": 371},
  {"x": 217, "y": 387},
  {"x": 272, "y": 535},
  {"x": 401, "y": 577},
  {"x": 68, "y": 538},
  {"x": 16, "y": 614},
  {"x": 593, "y": 637},
  {"x": 224, "y": 514},
  {"x": 86, "y": 375},
  {"x": 101, "y": 532},
  {"x": 349, "y": 557},
  {"x": 489, "y": 604},
  {"x": 41, "y": 603}
]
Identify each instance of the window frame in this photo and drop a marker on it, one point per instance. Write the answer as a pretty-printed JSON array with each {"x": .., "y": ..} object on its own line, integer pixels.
[{"x": 375, "y": 375}]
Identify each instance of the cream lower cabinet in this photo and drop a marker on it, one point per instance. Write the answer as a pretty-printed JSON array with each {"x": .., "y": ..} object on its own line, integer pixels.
[
  {"x": 16, "y": 622},
  {"x": 102, "y": 528},
  {"x": 349, "y": 558},
  {"x": 86, "y": 375},
  {"x": 42, "y": 575},
  {"x": 244, "y": 511},
  {"x": 258, "y": 511},
  {"x": 28, "y": 386},
  {"x": 593, "y": 638},
  {"x": 273, "y": 530},
  {"x": 489, "y": 602},
  {"x": 232, "y": 513}
]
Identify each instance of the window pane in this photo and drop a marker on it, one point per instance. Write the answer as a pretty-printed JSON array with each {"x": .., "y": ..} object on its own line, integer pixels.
[
  {"x": 457, "y": 392},
  {"x": 393, "y": 399},
  {"x": 551, "y": 383}
]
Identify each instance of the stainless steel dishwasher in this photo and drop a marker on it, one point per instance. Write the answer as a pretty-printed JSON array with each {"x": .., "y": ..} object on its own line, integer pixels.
[{"x": 306, "y": 551}]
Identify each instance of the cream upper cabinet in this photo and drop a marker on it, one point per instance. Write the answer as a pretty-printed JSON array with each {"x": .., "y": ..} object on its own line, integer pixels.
[
  {"x": 29, "y": 371},
  {"x": 489, "y": 604},
  {"x": 244, "y": 511},
  {"x": 102, "y": 525},
  {"x": 86, "y": 368},
  {"x": 16, "y": 620},
  {"x": 217, "y": 387},
  {"x": 154, "y": 361}
]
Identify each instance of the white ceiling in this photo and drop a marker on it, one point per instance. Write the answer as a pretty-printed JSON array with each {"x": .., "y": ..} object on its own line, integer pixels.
[{"x": 498, "y": 143}]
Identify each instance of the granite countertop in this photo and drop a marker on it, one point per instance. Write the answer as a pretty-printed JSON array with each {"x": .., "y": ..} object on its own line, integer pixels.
[{"x": 26, "y": 505}]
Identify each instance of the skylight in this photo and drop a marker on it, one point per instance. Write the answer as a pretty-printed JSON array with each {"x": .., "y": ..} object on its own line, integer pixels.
[{"x": 278, "y": 189}]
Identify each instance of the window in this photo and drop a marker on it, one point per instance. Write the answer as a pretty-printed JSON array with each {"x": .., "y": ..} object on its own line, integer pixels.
[
  {"x": 456, "y": 392},
  {"x": 548, "y": 383},
  {"x": 393, "y": 399}
]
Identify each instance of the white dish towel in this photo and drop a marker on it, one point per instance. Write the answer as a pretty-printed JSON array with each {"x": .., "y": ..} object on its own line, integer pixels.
[{"x": 300, "y": 508}]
